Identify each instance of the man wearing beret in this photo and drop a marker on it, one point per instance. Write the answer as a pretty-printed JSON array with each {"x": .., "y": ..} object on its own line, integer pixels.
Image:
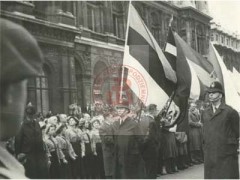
[
  {"x": 221, "y": 133},
  {"x": 20, "y": 59}
]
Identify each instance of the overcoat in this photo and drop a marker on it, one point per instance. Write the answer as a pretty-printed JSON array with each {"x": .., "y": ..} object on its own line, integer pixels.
[
  {"x": 29, "y": 140},
  {"x": 128, "y": 141},
  {"x": 106, "y": 135},
  {"x": 221, "y": 133},
  {"x": 151, "y": 145}
]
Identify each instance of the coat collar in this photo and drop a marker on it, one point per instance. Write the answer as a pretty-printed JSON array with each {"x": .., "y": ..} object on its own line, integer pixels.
[
  {"x": 125, "y": 121},
  {"x": 218, "y": 111}
]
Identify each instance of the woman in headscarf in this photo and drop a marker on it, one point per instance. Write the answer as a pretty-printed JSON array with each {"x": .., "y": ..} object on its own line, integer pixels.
[
  {"x": 56, "y": 154},
  {"x": 67, "y": 150},
  {"x": 97, "y": 149},
  {"x": 73, "y": 134}
]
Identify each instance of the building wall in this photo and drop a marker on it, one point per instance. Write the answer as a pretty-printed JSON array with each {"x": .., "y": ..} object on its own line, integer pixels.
[
  {"x": 80, "y": 39},
  {"x": 228, "y": 46},
  {"x": 192, "y": 24},
  {"x": 73, "y": 36}
]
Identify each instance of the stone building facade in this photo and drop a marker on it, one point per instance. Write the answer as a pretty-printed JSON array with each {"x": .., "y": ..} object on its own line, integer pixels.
[
  {"x": 78, "y": 39},
  {"x": 83, "y": 41},
  {"x": 190, "y": 20},
  {"x": 227, "y": 44}
]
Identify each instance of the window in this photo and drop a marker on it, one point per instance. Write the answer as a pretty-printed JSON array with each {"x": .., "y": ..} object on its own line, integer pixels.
[
  {"x": 118, "y": 19},
  {"x": 38, "y": 92},
  {"x": 227, "y": 41},
  {"x": 222, "y": 40},
  {"x": 91, "y": 17},
  {"x": 95, "y": 16},
  {"x": 200, "y": 40},
  {"x": 118, "y": 27},
  {"x": 67, "y": 6},
  {"x": 216, "y": 37},
  {"x": 155, "y": 26}
]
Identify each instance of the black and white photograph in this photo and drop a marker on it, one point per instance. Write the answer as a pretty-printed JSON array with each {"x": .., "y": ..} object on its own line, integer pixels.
[{"x": 120, "y": 89}]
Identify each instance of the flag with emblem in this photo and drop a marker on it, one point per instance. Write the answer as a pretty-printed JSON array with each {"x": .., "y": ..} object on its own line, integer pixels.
[{"x": 142, "y": 54}]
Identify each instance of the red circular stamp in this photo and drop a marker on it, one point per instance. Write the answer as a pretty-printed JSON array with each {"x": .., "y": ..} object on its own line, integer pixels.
[{"x": 113, "y": 85}]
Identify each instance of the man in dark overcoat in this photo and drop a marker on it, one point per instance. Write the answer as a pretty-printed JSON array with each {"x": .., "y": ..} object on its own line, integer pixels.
[
  {"x": 152, "y": 141},
  {"x": 128, "y": 140},
  {"x": 29, "y": 144},
  {"x": 221, "y": 133}
]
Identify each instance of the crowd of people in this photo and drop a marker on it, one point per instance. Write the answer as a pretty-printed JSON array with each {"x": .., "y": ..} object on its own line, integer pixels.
[
  {"x": 108, "y": 141},
  {"x": 106, "y": 145}
]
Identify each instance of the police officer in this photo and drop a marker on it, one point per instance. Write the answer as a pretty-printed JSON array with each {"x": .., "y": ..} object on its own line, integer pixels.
[
  {"x": 20, "y": 59},
  {"x": 221, "y": 133}
]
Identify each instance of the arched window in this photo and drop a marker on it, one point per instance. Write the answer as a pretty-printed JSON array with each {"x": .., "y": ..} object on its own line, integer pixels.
[{"x": 38, "y": 91}]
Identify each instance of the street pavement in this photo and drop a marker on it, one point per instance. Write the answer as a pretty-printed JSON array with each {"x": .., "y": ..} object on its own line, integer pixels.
[{"x": 193, "y": 172}]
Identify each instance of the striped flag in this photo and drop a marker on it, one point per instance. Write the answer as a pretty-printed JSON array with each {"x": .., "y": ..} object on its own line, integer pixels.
[
  {"x": 231, "y": 96},
  {"x": 202, "y": 67},
  {"x": 144, "y": 56},
  {"x": 197, "y": 70},
  {"x": 170, "y": 50},
  {"x": 193, "y": 74}
]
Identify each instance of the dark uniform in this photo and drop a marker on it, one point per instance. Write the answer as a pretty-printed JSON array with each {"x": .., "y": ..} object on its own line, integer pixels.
[
  {"x": 30, "y": 142},
  {"x": 151, "y": 145},
  {"x": 221, "y": 133}
]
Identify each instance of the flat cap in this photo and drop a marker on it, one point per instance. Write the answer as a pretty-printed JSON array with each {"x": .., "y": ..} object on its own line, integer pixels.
[{"x": 20, "y": 55}]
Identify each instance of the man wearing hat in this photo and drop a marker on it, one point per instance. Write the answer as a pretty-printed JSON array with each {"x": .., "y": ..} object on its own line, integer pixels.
[
  {"x": 128, "y": 140},
  {"x": 20, "y": 59},
  {"x": 29, "y": 145},
  {"x": 221, "y": 133}
]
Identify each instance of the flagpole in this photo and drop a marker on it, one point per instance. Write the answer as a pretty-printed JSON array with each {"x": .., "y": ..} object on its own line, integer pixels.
[
  {"x": 174, "y": 92},
  {"x": 125, "y": 48}
]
